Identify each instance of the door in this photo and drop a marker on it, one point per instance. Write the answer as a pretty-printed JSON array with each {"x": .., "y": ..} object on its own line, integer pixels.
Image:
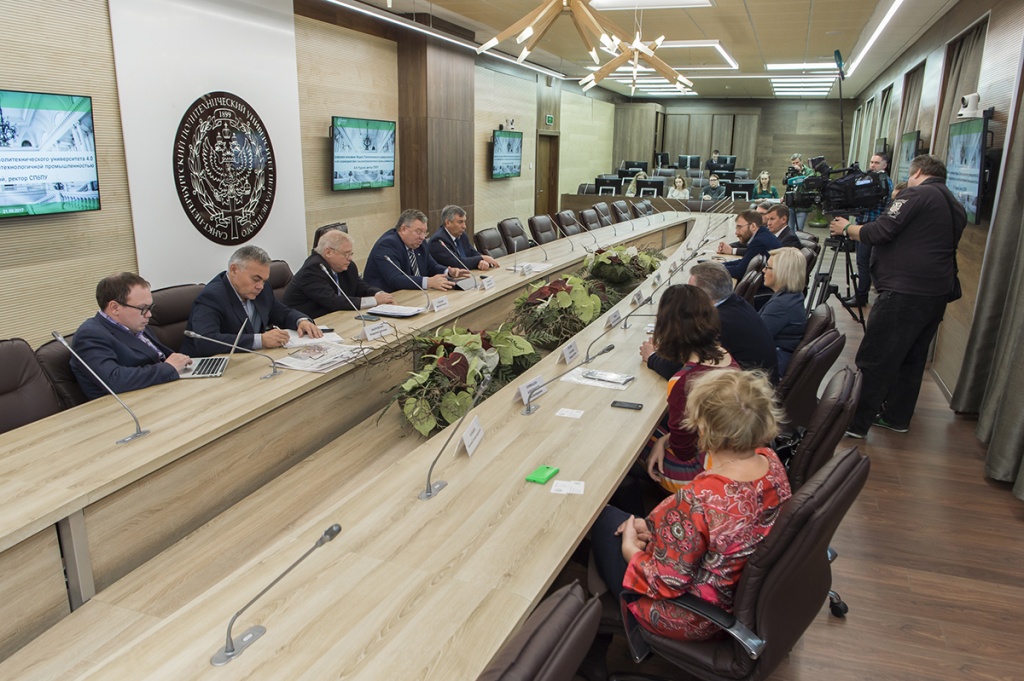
[{"x": 546, "y": 197}]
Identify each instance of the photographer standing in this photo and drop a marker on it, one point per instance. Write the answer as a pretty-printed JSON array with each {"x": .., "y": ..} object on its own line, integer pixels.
[
  {"x": 914, "y": 270},
  {"x": 879, "y": 164}
]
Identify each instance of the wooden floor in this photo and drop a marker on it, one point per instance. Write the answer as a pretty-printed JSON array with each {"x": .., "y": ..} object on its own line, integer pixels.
[{"x": 931, "y": 562}]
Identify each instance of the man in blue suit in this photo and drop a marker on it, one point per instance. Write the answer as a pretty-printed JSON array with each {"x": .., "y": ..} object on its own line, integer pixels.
[
  {"x": 757, "y": 238},
  {"x": 116, "y": 343},
  {"x": 239, "y": 296},
  {"x": 399, "y": 260},
  {"x": 450, "y": 246}
]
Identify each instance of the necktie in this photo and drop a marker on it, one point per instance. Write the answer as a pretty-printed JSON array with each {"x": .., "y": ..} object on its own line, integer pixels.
[
  {"x": 459, "y": 248},
  {"x": 250, "y": 312},
  {"x": 413, "y": 265},
  {"x": 142, "y": 337}
]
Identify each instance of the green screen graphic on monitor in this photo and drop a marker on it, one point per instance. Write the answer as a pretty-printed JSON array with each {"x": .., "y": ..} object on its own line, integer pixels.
[{"x": 364, "y": 153}]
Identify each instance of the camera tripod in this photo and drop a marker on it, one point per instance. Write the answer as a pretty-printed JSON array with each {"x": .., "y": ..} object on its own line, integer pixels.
[{"x": 822, "y": 287}]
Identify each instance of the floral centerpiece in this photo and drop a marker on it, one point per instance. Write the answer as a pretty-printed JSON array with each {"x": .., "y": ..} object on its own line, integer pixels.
[
  {"x": 454, "y": 362},
  {"x": 623, "y": 266},
  {"x": 550, "y": 314}
]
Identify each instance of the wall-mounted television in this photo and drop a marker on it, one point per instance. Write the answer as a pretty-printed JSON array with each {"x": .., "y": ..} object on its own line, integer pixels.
[
  {"x": 908, "y": 150},
  {"x": 881, "y": 146},
  {"x": 47, "y": 154},
  {"x": 506, "y": 154},
  {"x": 965, "y": 164},
  {"x": 364, "y": 153}
]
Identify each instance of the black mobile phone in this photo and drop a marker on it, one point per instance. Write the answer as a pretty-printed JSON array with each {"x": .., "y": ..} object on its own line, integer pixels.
[{"x": 636, "y": 406}]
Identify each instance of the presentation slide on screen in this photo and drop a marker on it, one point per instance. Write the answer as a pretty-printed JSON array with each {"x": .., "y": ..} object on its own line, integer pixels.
[
  {"x": 508, "y": 155},
  {"x": 908, "y": 149},
  {"x": 364, "y": 153},
  {"x": 47, "y": 154},
  {"x": 964, "y": 163}
]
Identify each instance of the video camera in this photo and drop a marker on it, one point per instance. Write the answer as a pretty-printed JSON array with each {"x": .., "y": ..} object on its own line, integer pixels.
[{"x": 854, "y": 192}]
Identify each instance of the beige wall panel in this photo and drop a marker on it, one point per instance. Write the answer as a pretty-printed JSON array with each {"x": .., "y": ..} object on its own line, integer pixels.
[
  {"x": 699, "y": 141},
  {"x": 499, "y": 97},
  {"x": 677, "y": 136},
  {"x": 586, "y": 140},
  {"x": 634, "y": 133},
  {"x": 49, "y": 264},
  {"x": 721, "y": 133},
  {"x": 32, "y": 592},
  {"x": 344, "y": 73},
  {"x": 744, "y": 140}
]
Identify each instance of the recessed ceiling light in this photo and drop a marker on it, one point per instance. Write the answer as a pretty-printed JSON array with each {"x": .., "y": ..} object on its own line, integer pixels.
[
  {"x": 650, "y": 4},
  {"x": 831, "y": 66}
]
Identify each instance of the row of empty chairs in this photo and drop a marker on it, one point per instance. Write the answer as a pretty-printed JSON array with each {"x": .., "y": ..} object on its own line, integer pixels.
[{"x": 34, "y": 385}]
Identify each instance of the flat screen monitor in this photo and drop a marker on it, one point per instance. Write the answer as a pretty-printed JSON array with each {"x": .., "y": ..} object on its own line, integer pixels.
[
  {"x": 965, "y": 164},
  {"x": 47, "y": 154},
  {"x": 724, "y": 175},
  {"x": 506, "y": 154},
  {"x": 689, "y": 161},
  {"x": 364, "y": 153},
  {"x": 881, "y": 146},
  {"x": 727, "y": 162},
  {"x": 626, "y": 174},
  {"x": 653, "y": 187},
  {"x": 635, "y": 166},
  {"x": 661, "y": 158},
  {"x": 909, "y": 143},
  {"x": 608, "y": 186}
]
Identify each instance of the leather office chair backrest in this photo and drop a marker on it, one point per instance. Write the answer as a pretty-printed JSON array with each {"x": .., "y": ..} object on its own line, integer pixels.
[
  {"x": 665, "y": 172},
  {"x": 280, "y": 275},
  {"x": 811, "y": 256},
  {"x": 749, "y": 285},
  {"x": 640, "y": 209},
  {"x": 604, "y": 215},
  {"x": 25, "y": 392},
  {"x": 172, "y": 306},
  {"x": 821, "y": 319},
  {"x": 620, "y": 212},
  {"x": 514, "y": 235},
  {"x": 756, "y": 264},
  {"x": 798, "y": 389},
  {"x": 697, "y": 183},
  {"x": 785, "y": 581},
  {"x": 542, "y": 227},
  {"x": 803, "y": 236},
  {"x": 694, "y": 172},
  {"x": 742, "y": 173},
  {"x": 55, "y": 359},
  {"x": 590, "y": 219},
  {"x": 320, "y": 231},
  {"x": 587, "y": 188},
  {"x": 647, "y": 206},
  {"x": 827, "y": 426},
  {"x": 566, "y": 219},
  {"x": 552, "y": 642},
  {"x": 489, "y": 242}
]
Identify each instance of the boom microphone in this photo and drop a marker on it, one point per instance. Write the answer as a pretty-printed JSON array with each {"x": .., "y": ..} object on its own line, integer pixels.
[
  {"x": 414, "y": 282},
  {"x": 461, "y": 262},
  {"x": 361, "y": 317},
  {"x": 530, "y": 407}
]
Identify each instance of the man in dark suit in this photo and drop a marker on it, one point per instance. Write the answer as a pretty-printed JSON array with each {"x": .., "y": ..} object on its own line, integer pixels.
[
  {"x": 776, "y": 218},
  {"x": 758, "y": 239},
  {"x": 116, "y": 344},
  {"x": 314, "y": 290},
  {"x": 240, "y": 296},
  {"x": 399, "y": 260},
  {"x": 744, "y": 334},
  {"x": 451, "y": 239}
]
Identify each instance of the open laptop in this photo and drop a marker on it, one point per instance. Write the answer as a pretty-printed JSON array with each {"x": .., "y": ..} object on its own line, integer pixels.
[{"x": 210, "y": 367}]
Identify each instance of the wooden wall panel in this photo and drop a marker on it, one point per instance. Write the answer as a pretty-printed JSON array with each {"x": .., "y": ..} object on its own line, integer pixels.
[
  {"x": 450, "y": 176},
  {"x": 677, "y": 135},
  {"x": 499, "y": 96},
  {"x": 345, "y": 73},
  {"x": 585, "y": 143},
  {"x": 549, "y": 101},
  {"x": 744, "y": 140},
  {"x": 721, "y": 133},
  {"x": 634, "y": 133},
  {"x": 699, "y": 141},
  {"x": 31, "y": 599},
  {"x": 59, "y": 258}
]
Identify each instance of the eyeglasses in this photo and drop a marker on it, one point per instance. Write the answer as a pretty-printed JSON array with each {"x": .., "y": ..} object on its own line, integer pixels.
[
  {"x": 768, "y": 267},
  {"x": 144, "y": 309},
  {"x": 345, "y": 254}
]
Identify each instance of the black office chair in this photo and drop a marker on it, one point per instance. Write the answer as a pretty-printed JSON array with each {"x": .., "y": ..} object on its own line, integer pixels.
[
  {"x": 489, "y": 242},
  {"x": 320, "y": 231},
  {"x": 55, "y": 359},
  {"x": 280, "y": 275},
  {"x": 171, "y": 308},
  {"x": 590, "y": 219},
  {"x": 568, "y": 223},
  {"x": 542, "y": 227},
  {"x": 620, "y": 212},
  {"x": 512, "y": 232},
  {"x": 798, "y": 388},
  {"x": 604, "y": 215},
  {"x": 26, "y": 394}
]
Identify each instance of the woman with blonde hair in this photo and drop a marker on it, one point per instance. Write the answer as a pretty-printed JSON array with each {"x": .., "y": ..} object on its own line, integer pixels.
[
  {"x": 631, "y": 189},
  {"x": 679, "y": 190},
  {"x": 783, "y": 314},
  {"x": 764, "y": 188},
  {"x": 698, "y": 540}
]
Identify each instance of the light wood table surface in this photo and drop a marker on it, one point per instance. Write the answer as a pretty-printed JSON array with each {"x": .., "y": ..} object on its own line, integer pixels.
[
  {"x": 411, "y": 589},
  {"x": 212, "y": 443}
]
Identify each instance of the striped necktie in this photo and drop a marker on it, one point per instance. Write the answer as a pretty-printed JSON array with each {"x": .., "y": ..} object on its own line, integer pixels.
[{"x": 413, "y": 265}]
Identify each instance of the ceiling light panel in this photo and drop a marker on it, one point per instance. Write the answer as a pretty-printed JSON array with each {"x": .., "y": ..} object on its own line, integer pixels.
[{"x": 649, "y": 4}]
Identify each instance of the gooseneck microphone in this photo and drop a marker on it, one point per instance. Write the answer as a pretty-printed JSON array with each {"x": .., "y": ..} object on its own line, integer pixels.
[
  {"x": 572, "y": 246},
  {"x": 466, "y": 267},
  {"x": 530, "y": 407},
  {"x": 273, "y": 365},
  {"x": 431, "y": 490},
  {"x": 645, "y": 214},
  {"x": 414, "y": 282},
  {"x": 515, "y": 257},
  {"x": 139, "y": 432},
  {"x": 234, "y": 647},
  {"x": 361, "y": 317}
]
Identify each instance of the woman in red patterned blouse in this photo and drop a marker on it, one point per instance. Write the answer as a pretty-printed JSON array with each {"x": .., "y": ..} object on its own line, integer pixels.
[{"x": 698, "y": 540}]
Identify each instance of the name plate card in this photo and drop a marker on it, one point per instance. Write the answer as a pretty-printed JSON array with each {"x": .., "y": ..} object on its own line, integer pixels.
[
  {"x": 638, "y": 297},
  {"x": 374, "y": 331},
  {"x": 613, "y": 319},
  {"x": 440, "y": 303},
  {"x": 674, "y": 267},
  {"x": 526, "y": 270},
  {"x": 486, "y": 283},
  {"x": 532, "y": 386},
  {"x": 657, "y": 278},
  {"x": 570, "y": 352},
  {"x": 473, "y": 436}
]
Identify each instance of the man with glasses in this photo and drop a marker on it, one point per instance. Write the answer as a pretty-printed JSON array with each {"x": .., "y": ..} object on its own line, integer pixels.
[
  {"x": 399, "y": 260},
  {"x": 240, "y": 296},
  {"x": 116, "y": 343},
  {"x": 314, "y": 290},
  {"x": 757, "y": 239}
]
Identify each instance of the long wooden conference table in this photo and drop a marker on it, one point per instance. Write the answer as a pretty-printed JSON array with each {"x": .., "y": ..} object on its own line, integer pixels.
[{"x": 433, "y": 559}]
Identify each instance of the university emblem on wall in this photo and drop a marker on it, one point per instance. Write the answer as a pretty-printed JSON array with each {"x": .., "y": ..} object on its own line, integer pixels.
[{"x": 224, "y": 170}]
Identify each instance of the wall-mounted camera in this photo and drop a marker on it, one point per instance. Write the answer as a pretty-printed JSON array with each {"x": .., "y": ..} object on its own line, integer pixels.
[{"x": 970, "y": 106}]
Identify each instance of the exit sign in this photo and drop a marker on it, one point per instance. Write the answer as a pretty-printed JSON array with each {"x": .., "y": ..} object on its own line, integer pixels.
[{"x": 549, "y": 119}]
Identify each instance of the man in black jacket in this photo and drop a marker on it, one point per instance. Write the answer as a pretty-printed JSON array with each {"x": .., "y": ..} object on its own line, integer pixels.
[
  {"x": 913, "y": 266},
  {"x": 314, "y": 290},
  {"x": 744, "y": 335},
  {"x": 450, "y": 246}
]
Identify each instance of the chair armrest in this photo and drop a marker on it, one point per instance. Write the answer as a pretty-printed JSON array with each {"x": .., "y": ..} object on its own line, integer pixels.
[{"x": 726, "y": 620}]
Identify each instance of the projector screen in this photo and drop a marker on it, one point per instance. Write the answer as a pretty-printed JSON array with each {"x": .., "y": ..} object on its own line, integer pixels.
[
  {"x": 364, "y": 153},
  {"x": 47, "y": 154}
]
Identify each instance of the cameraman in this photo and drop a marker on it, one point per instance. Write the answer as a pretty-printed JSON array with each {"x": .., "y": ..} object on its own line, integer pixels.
[
  {"x": 913, "y": 267},
  {"x": 879, "y": 164},
  {"x": 797, "y": 169}
]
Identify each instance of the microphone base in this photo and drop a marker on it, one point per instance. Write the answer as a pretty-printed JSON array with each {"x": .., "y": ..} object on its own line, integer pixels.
[
  {"x": 248, "y": 637},
  {"x": 134, "y": 436},
  {"x": 434, "y": 489},
  {"x": 530, "y": 409},
  {"x": 367, "y": 318},
  {"x": 273, "y": 373},
  {"x": 465, "y": 284}
]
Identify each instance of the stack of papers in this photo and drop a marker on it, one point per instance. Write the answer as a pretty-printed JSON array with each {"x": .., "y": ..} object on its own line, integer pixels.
[
  {"x": 396, "y": 310},
  {"x": 322, "y": 357}
]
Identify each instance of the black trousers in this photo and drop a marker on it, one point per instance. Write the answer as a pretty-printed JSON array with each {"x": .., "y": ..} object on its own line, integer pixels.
[
  {"x": 893, "y": 355},
  {"x": 863, "y": 270},
  {"x": 607, "y": 549}
]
